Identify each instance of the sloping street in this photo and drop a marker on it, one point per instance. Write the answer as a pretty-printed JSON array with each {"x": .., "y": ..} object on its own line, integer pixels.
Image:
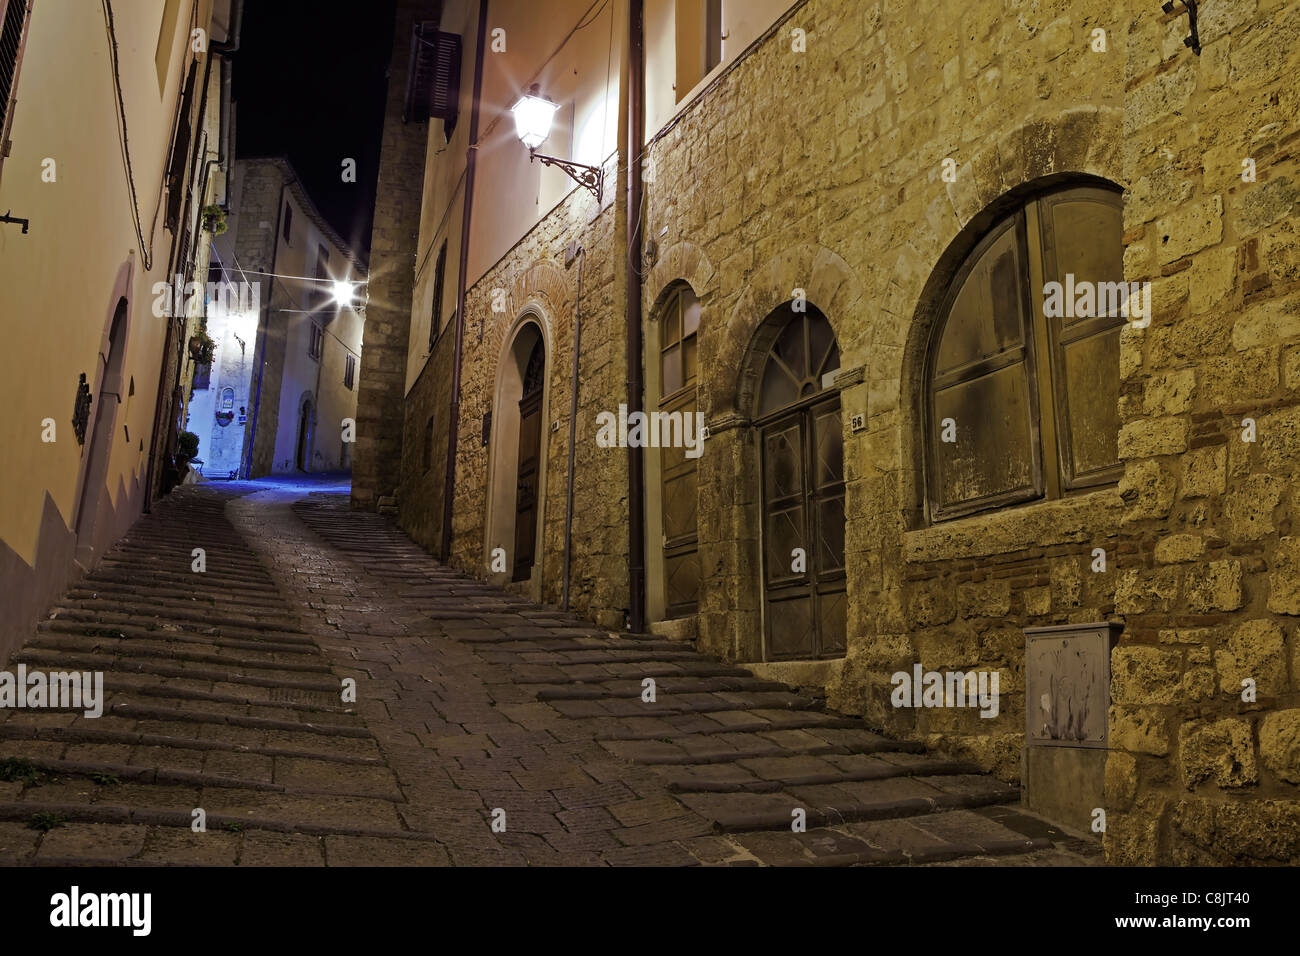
[{"x": 485, "y": 730}]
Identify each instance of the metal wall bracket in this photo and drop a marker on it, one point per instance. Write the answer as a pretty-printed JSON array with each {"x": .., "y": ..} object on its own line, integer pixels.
[
  {"x": 19, "y": 222},
  {"x": 1194, "y": 39},
  {"x": 589, "y": 177}
]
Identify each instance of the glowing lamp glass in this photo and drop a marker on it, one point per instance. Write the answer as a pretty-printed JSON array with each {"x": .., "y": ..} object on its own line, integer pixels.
[{"x": 533, "y": 117}]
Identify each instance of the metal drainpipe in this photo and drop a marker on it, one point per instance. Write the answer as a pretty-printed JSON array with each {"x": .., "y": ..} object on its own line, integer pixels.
[
  {"x": 471, "y": 157},
  {"x": 635, "y": 377},
  {"x": 573, "y": 429},
  {"x": 250, "y": 435}
]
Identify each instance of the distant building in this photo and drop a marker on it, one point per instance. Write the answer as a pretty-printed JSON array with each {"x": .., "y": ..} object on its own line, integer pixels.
[
  {"x": 282, "y": 387},
  {"x": 113, "y": 139}
]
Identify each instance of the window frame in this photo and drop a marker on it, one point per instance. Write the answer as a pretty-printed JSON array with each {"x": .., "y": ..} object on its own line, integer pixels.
[
  {"x": 439, "y": 293},
  {"x": 1048, "y": 473},
  {"x": 349, "y": 371}
]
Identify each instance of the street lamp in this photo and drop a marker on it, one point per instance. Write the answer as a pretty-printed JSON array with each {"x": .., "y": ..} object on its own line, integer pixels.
[
  {"x": 534, "y": 114},
  {"x": 343, "y": 293}
]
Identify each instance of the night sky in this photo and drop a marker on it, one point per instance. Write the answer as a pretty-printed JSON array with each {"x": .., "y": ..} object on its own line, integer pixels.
[{"x": 310, "y": 81}]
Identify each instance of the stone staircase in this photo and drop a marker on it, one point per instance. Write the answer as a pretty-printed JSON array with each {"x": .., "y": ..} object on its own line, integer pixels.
[
  {"x": 223, "y": 694},
  {"x": 217, "y": 701}
]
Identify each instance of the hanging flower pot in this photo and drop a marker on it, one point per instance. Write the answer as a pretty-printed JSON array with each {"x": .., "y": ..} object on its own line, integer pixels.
[
  {"x": 214, "y": 219},
  {"x": 202, "y": 348}
]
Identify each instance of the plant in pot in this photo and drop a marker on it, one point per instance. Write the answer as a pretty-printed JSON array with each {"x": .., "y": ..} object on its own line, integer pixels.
[
  {"x": 214, "y": 219},
  {"x": 187, "y": 449},
  {"x": 202, "y": 347}
]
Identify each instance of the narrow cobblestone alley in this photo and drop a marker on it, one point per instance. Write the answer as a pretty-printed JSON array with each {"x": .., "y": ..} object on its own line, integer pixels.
[{"x": 223, "y": 694}]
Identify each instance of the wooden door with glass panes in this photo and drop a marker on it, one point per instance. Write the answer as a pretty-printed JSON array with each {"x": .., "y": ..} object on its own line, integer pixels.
[
  {"x": 802, "y": 460},
  {"x": 679, "y": 370}
]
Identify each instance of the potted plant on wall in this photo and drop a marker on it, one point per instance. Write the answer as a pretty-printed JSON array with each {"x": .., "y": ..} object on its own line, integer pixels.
[
  {"x": 202, "y": 347},
  {"x": 187, "y": 449},
  {"x": 214, "y": 219}
]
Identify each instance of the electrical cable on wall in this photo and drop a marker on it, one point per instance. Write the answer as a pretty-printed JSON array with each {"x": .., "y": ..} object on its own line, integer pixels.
[{"x": 146, "y": 250}]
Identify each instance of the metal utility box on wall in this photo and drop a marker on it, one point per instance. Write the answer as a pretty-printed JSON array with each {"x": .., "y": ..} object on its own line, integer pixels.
[{"x": 1067, "y": 704}]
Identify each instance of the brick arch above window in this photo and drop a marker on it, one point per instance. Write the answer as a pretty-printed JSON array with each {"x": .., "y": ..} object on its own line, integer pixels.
[{"x": 682, "y": 262}]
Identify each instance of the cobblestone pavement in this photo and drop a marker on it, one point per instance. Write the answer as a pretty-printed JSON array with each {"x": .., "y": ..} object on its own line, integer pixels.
[{"x": 471, "y": 706}]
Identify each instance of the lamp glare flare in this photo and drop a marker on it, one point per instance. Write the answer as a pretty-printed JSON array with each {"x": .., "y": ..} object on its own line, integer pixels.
[{"x": 344, "y": 293}]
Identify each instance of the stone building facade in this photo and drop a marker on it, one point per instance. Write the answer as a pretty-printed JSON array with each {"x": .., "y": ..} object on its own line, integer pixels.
[
  {"x": 958, "y": 464},
  {"x": 288, "y": 356}
]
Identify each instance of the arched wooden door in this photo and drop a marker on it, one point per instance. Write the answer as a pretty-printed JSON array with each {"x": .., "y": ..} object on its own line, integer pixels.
[
  {"x": 802, "y": 453},
  {"x": 529, "y": 471},
  {"x": 101, "y": 440}
]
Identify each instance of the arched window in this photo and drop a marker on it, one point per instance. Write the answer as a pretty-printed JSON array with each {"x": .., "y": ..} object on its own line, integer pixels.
[{"x": 1022, "y": 377}]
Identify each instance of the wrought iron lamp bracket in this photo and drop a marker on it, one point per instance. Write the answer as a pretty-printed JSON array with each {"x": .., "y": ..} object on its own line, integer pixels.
[
  {"x": 1193, "y": 40},
  {"x": 589, "y": 177}
]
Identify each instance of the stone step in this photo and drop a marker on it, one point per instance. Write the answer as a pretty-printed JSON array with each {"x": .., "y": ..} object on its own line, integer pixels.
[
  {"x": 835, "y": 804},
  {"x": 152, "y": 596},
  {"x": 178, "y": 665},
  {"x": 181, "y": 744},
  {"x": 667, "y": 686},
  {"x": 143, "y": 707},
  {"x": 656, "y": 727},
  {"x": 941, "y": 837},
  {"x": 182, "y": 648},
  {"x": 773, "y": 774},
  {"x": 284, "y": 644},
  {"x": 727, "y": 747},
  {"x": 115, "y": 612},
  {"x": 126, "y": 574},
  {"x": 237, "y": 671}
]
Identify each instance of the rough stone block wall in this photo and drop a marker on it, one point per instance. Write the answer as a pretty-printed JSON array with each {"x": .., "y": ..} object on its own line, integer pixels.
[
  {"x": 822, "y": 171},
  {"x": 1202, "y": 769},
  {"x": 533, "y": 279},
  {"x": 376, "y": 467}
]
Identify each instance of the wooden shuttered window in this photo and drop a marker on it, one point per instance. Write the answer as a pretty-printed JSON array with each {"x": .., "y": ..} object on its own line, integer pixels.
[
  {"x": 14, "y": 17},
  {"x": 433, "y": 80},
  {"x": 179, "y": 162}
]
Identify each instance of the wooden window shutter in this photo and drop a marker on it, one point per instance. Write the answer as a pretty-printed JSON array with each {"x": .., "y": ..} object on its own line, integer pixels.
[
  {"x": 433, "y": 85},
  {"x": 180, "y": 152},
  {"x": 13, "y": 32}
]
